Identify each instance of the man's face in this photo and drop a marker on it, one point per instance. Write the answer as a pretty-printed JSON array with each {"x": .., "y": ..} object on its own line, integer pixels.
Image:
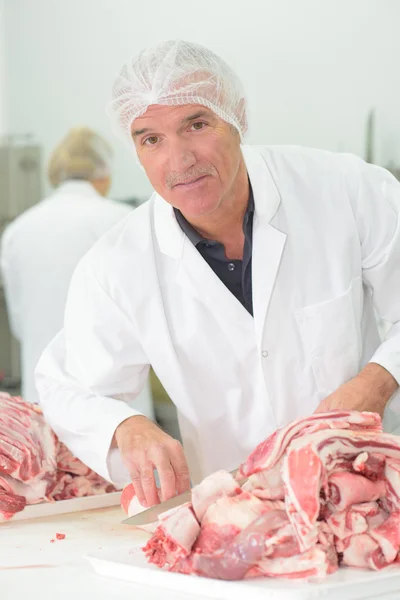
[{"x": 190, "y": 156}]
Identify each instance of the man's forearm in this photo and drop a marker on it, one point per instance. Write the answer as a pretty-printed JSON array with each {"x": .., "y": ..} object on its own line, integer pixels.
[
  {"x": 376, "y": 383},
  {"x": 369, "y": 391}
]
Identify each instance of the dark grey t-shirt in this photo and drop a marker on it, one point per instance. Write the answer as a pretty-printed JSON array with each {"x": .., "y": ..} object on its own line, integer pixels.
[{"x": 235, "y": 274}]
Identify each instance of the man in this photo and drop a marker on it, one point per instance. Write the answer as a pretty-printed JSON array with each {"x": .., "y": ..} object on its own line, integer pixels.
[
  {"x": 42, "y": 247},
  {"x": 247, "y": 282}
]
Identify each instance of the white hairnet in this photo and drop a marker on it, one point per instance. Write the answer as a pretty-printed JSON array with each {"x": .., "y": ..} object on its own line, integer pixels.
[
  {"x": 176, "y": 73},
  {"x": 81, "y": 154}
]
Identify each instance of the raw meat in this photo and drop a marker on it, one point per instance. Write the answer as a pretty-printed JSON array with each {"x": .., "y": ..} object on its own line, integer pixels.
[
  {"x": 312, "y": 564},
  {"x": 75, "y": 479},
  {"x": 316, "y": 454},
  {"x": 174, "y": 537},
  {"x": 27, "y": 444},
  {"x": 268, "y": 453},
  {"x": 355, "y": 520},
  {"x": 371, "y": 465},
  {"x": 34, "y": 465},
  {"x": 210, "y": 490},
  {"x": 376, "y": 549},
  {"x": 345, "y": 489},
  {"x": 226, "y": 518},
  {"x": 247, "y": 549},
  {"x": 263, "y": 466},
  {"x": 321, "y": 492},
  {"x": 267, "y": 484},
  {"x": 10, "y": 504},
  {"x": 128, "y": 498},
  {"x": 392, "y": 476},
  {"x": 68, "y": 463}
]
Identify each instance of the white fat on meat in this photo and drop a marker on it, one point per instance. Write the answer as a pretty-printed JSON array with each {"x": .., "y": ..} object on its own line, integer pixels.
[
  {"x": 226, "y": 518},
  {"x": 356, "y": 519},
  {"x": 268, "y": 453},
  {"x": 358, "y": 551},
  {"x": 387, "y": 534},
  {"x": 181, "y": 525},
  {"x": 346, "y": 489},
  {"x": 376, "y": 549},
  {"x": 210, "y": 490},
  {"x": 392, "y": 475},
  {"x": 267, "y": 484},
  {"x": 312, "y": 564},
  {"x": 239, "y": 510},
  {"x": 371, "y": 465},
  {"x": 33, "y": 492}
]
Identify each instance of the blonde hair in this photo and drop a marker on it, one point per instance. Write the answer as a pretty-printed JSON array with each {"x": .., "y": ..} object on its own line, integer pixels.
[{"x": 81, "y": 154}]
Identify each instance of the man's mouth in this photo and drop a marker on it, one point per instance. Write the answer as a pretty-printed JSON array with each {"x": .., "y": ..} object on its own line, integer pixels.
[{"x": 191, "y": 183}]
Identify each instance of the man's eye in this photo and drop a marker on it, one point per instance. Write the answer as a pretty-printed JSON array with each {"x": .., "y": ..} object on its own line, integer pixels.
[
  {"x": 199, "y": 125},
  {"x": 151, "y": 140}
]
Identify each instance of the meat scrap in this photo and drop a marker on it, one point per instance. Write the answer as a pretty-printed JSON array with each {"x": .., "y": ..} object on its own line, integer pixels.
[
  {"x": 174, "y": 537},
  {"x": 321, "y": 492},
  {"x": 34, "y": 465}
]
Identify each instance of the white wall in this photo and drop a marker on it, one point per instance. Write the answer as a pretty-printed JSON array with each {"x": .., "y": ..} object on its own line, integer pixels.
[
  {"x": 2, "y": 72},
  {"x": 312, "y": 68}
]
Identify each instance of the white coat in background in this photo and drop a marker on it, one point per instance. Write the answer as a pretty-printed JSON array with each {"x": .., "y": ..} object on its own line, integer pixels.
[
  {"x": 39, "y": 253},
  {"x": 326, "y": 247}
]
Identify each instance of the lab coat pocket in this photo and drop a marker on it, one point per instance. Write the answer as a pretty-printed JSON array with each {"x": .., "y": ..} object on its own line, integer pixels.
[{"x": 331, "y": 337}]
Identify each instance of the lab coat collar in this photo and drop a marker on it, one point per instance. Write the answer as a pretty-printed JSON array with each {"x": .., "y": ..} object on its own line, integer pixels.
[
  {"x": 168, "y": 232},
  {"x": 265, "y": 192},
  {"x": 266, "y": 198}
]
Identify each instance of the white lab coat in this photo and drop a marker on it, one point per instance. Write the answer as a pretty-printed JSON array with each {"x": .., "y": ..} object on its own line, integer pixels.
[
  {"x": 39, "y": 253},
  {"x": 326, "y": 240}
]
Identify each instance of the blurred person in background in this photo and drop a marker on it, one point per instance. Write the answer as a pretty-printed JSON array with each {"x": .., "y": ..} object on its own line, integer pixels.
[{"x": 41, "y": 248}]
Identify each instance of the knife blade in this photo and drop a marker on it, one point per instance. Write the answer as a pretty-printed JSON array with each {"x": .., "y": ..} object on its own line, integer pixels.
[{"x": 150, "y": 515}]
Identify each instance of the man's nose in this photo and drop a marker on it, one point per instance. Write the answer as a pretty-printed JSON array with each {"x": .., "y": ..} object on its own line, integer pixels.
[{"x": 181, "y": 157}]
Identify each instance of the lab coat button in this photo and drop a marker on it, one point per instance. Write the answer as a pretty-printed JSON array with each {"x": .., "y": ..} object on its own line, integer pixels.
[{"x": 264, "y": 354}]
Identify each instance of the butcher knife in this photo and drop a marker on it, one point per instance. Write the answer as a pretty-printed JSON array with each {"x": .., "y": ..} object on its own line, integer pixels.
[{"x": 150, "y": 515}]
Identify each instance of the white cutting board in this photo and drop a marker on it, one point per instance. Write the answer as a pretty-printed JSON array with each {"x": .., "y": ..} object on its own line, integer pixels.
[
  {"x": 129, "y": 564},
  {"x": 61, "y": 507}
]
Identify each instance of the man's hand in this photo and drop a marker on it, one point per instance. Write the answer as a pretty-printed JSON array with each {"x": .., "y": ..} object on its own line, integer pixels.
[
  {"x": 369, "y": 391},
  {"x": 145, "y": 447}
]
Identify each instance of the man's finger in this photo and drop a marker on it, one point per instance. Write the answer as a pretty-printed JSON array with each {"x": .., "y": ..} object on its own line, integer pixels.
[
  {"x": 137, "y": 485},
  {"x": 148, "y": 483},
  {"x": 166, "y": 474},
  {"x": 181, "y": 469}
]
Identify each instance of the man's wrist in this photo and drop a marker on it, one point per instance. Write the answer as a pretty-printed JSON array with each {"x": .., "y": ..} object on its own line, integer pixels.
[
  {"x": 121, "y": 427},
  {"x": 376, "y": 384}
]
